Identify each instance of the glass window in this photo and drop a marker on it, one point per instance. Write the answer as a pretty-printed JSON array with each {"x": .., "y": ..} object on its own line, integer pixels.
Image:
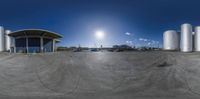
[
  {"x": 48, "y": 45},
  {"x": 33, "y": 45},
  {"x": 21, "y": 45}
]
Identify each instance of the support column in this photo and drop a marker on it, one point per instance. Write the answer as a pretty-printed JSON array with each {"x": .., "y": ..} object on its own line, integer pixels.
[
  {"x": 41, "y": 45},
  {"x": 27, "y": 45},
  {"x": 53, "y": 45},
  {"x": 14, "y": 44}
]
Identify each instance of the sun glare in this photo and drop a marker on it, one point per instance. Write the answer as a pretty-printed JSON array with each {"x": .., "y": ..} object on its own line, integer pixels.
[{"x": 100, "y": 35}]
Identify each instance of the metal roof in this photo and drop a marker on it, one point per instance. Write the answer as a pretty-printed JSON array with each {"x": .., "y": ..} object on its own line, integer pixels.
[{"x": 35, "y": 32}]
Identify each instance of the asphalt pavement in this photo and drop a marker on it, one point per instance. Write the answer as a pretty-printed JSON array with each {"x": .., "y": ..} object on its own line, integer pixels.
[{"x": 100, "y": 75}]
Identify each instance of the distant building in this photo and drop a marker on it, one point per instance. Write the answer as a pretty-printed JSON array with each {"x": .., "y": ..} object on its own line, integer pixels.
[
  {"x": 122, "y": 46},
  {"x": 28, "y": 41}
]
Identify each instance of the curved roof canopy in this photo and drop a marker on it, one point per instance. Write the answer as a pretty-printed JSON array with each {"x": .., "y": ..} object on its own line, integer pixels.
[{"x": 35, "y": 32}]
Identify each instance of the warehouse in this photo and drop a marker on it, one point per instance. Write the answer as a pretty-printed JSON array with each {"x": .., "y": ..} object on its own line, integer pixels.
[{"x": 33, "y": 41}]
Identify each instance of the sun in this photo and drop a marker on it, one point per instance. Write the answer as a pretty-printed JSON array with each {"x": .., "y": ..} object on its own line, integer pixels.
[{"x": 100, "y": 35}]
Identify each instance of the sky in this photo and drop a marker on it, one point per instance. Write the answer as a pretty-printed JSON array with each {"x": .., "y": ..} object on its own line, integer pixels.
[{"x": 133, "y": 22}]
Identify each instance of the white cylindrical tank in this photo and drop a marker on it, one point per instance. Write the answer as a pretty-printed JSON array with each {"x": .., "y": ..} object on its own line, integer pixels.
[
  {"x": 7, "y": 40},
  {"x": 170, "y": 40},
  {"x": 186, "y": 38},
  {"x": 197, "y": 39},
  {"x": 2, "y": 39}
]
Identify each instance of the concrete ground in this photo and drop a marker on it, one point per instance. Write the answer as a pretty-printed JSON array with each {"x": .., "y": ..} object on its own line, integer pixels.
[{"x": 100, "y": 75}]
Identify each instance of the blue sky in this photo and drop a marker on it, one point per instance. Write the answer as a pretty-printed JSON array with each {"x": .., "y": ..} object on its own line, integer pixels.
[{"x": 77, "y": 20}]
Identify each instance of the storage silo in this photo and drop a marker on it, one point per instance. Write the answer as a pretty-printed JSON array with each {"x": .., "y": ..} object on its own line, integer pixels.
[
  {"x": 2, "y": 39},
  {"x": 186, "y": 38},
  {"x": 7, "y": 40},
  {"x": 197, "y": 39},
  {"x": 170, "y": 40}
]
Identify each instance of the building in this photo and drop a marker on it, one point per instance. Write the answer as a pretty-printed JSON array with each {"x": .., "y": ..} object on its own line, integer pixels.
[
  {"x": 33, "y": 41},
  {"x": 28, "y": 40}
]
